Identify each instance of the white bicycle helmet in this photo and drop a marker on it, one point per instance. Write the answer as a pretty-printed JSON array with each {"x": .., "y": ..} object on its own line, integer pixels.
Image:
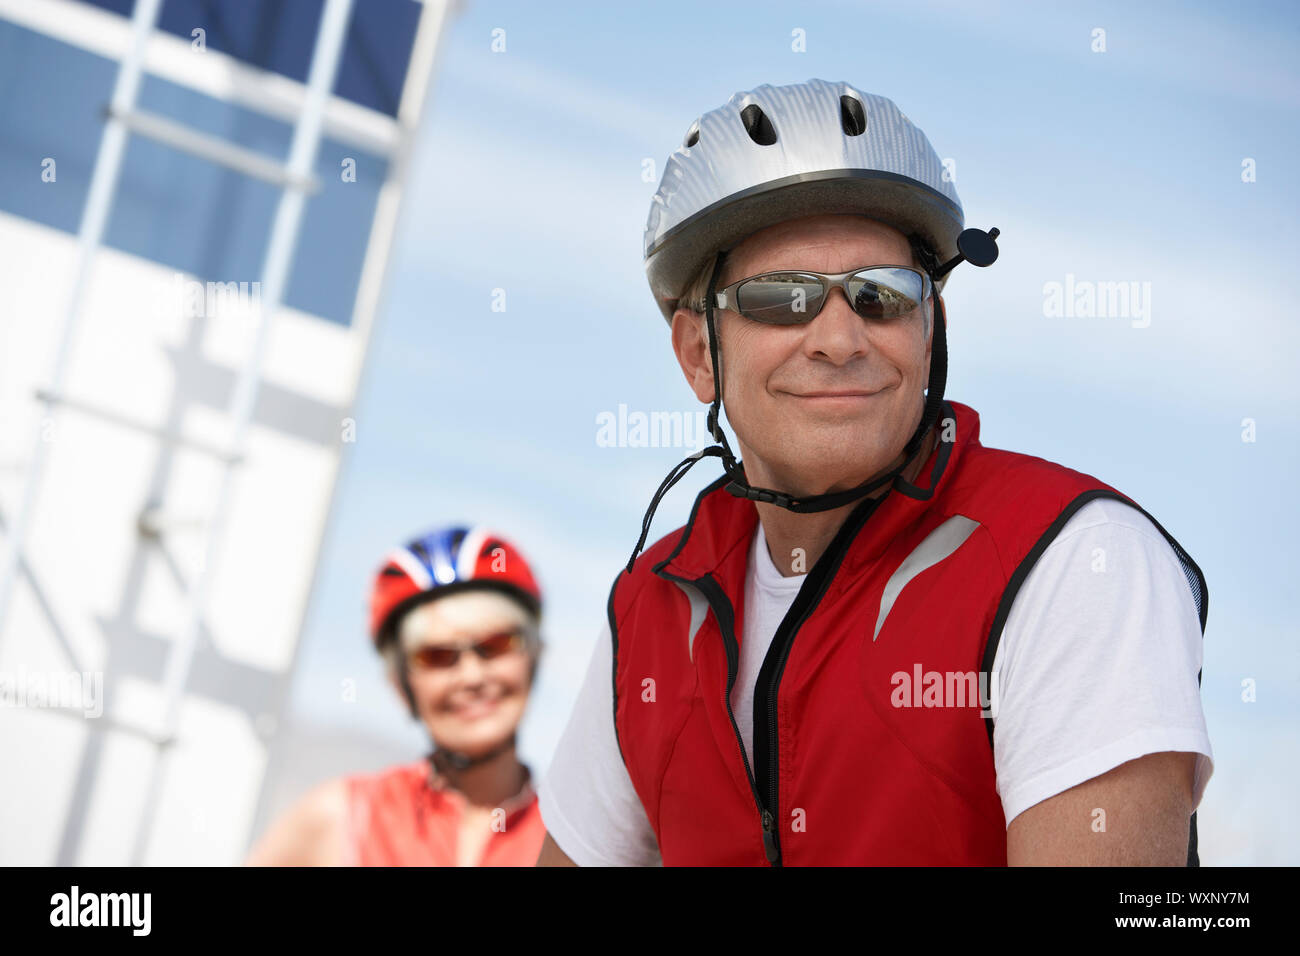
[{"x": 784, "y": 152}]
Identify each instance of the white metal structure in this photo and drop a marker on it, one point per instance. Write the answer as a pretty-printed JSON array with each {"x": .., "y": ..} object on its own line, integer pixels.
[{"x": 164, "y": 545}]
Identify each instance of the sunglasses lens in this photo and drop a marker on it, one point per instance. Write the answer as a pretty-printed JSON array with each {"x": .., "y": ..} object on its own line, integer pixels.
[
  {"x": 886, "y": 293},
  {"x": 792, "y": 298},
  {"x": 497, "y": 644},
  {"x": 494, "y": 645},
  {"x": 432, "y": 658},
  {"x": 780, "y": 298}
]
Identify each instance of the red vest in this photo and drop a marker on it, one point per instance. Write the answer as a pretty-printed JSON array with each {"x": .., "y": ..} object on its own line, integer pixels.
[{"x": 850, "y": 766}]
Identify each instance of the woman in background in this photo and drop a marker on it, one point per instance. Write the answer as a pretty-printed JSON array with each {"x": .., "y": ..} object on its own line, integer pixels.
[{"x": 456, "y": 615}]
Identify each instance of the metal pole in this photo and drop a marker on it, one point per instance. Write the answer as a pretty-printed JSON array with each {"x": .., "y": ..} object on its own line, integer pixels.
[
  {"x": 275, "y": 270},
  {"x": 94, "y": 219}
]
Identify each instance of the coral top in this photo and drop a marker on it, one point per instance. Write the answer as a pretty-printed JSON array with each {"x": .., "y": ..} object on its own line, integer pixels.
[{"x": 409, "y": 816}]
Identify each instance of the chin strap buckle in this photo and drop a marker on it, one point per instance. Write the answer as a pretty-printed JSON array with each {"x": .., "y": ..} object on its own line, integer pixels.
[{"x": 764, "y": 495}]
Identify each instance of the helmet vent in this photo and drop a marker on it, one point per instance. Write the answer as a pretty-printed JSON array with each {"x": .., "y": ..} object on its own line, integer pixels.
[
  {"x": 692, "y": 135},
  {"x": 852, "y": 117},
  {"x": 757, "y": 125}
]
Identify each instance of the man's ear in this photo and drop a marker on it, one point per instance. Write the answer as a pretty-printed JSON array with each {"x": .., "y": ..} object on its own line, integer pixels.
[
  {"x": 938, "y": 307},
  {"x": 929, "y": 342},
  {"x": 691, "y": 345}
]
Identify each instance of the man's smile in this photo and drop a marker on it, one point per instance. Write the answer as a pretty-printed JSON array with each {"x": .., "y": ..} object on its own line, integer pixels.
[{"x": 835, "y": 396}]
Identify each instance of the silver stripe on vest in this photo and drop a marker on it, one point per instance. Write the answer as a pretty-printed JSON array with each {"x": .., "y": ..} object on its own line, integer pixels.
[
  {"x": 938, "y": 544},
  {"x": 699, "y": 607}
]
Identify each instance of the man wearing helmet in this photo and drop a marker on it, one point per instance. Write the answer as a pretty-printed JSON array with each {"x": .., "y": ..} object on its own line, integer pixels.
[
  {"x": 455, "y": 615},
  {"x": 812, "y": 669}
]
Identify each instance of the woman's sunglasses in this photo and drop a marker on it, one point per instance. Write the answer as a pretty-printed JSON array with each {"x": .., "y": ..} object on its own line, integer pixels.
[
  {"x": 794, "y": 298},
  {"x": 489, "y": 648}
]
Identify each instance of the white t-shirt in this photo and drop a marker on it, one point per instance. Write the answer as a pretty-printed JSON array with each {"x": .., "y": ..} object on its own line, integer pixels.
[{"x": 1094, "y": 669}]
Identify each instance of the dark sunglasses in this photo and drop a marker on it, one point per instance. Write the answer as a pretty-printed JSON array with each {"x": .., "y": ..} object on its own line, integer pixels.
[
  {"x": 489, "y": 648},
  {"x": 796, "y": 297}
]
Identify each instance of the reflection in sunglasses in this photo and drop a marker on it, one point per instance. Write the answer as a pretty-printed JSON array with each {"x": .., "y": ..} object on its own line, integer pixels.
[{"x": 793, "y": 298}]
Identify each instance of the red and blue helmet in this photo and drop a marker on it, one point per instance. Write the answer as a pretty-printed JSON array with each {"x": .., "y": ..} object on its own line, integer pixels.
[{"x": 446, "y": 560}]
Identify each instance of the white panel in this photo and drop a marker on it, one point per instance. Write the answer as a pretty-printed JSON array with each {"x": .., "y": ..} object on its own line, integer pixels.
[
  {"x": 280, "y": 500},
  {"x": 95, "y": 568},
  {"x": 35, "y": 263},
  {"x": 120, "y": 363},
  {"x": 210, "y": 789},
  {"x": 83, "y": 534},
  {"x": 114, "y": 806},
  {"x": 40, "y": 753},
  {"x": 312, "y": 357}
]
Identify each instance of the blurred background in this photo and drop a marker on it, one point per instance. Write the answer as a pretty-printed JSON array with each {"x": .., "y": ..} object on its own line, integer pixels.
[{"x": 284, "y": 282}]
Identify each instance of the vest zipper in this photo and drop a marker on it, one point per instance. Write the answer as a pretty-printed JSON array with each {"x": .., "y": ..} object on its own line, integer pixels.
[
  {"x": 772, "y": 747},
  {"x": 805, "y": 603},
  {"x": 770, "y": 846},
  {"x": 767, "y": 747}
]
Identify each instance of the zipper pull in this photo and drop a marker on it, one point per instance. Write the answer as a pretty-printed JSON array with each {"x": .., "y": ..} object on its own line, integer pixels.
[{"x": 769, "y": 839}]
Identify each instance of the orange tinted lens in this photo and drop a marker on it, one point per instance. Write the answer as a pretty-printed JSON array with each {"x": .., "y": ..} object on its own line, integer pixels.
[
  {"x": 436, "y": 657},
  {"x": 497, "y": 644}
]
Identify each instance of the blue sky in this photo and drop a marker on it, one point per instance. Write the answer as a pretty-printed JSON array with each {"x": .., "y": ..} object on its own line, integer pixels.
[{"x": 1115, "y": 166}]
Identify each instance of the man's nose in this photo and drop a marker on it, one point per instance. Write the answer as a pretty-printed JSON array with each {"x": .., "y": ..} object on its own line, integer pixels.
[{"x": 837, "y": 332}]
